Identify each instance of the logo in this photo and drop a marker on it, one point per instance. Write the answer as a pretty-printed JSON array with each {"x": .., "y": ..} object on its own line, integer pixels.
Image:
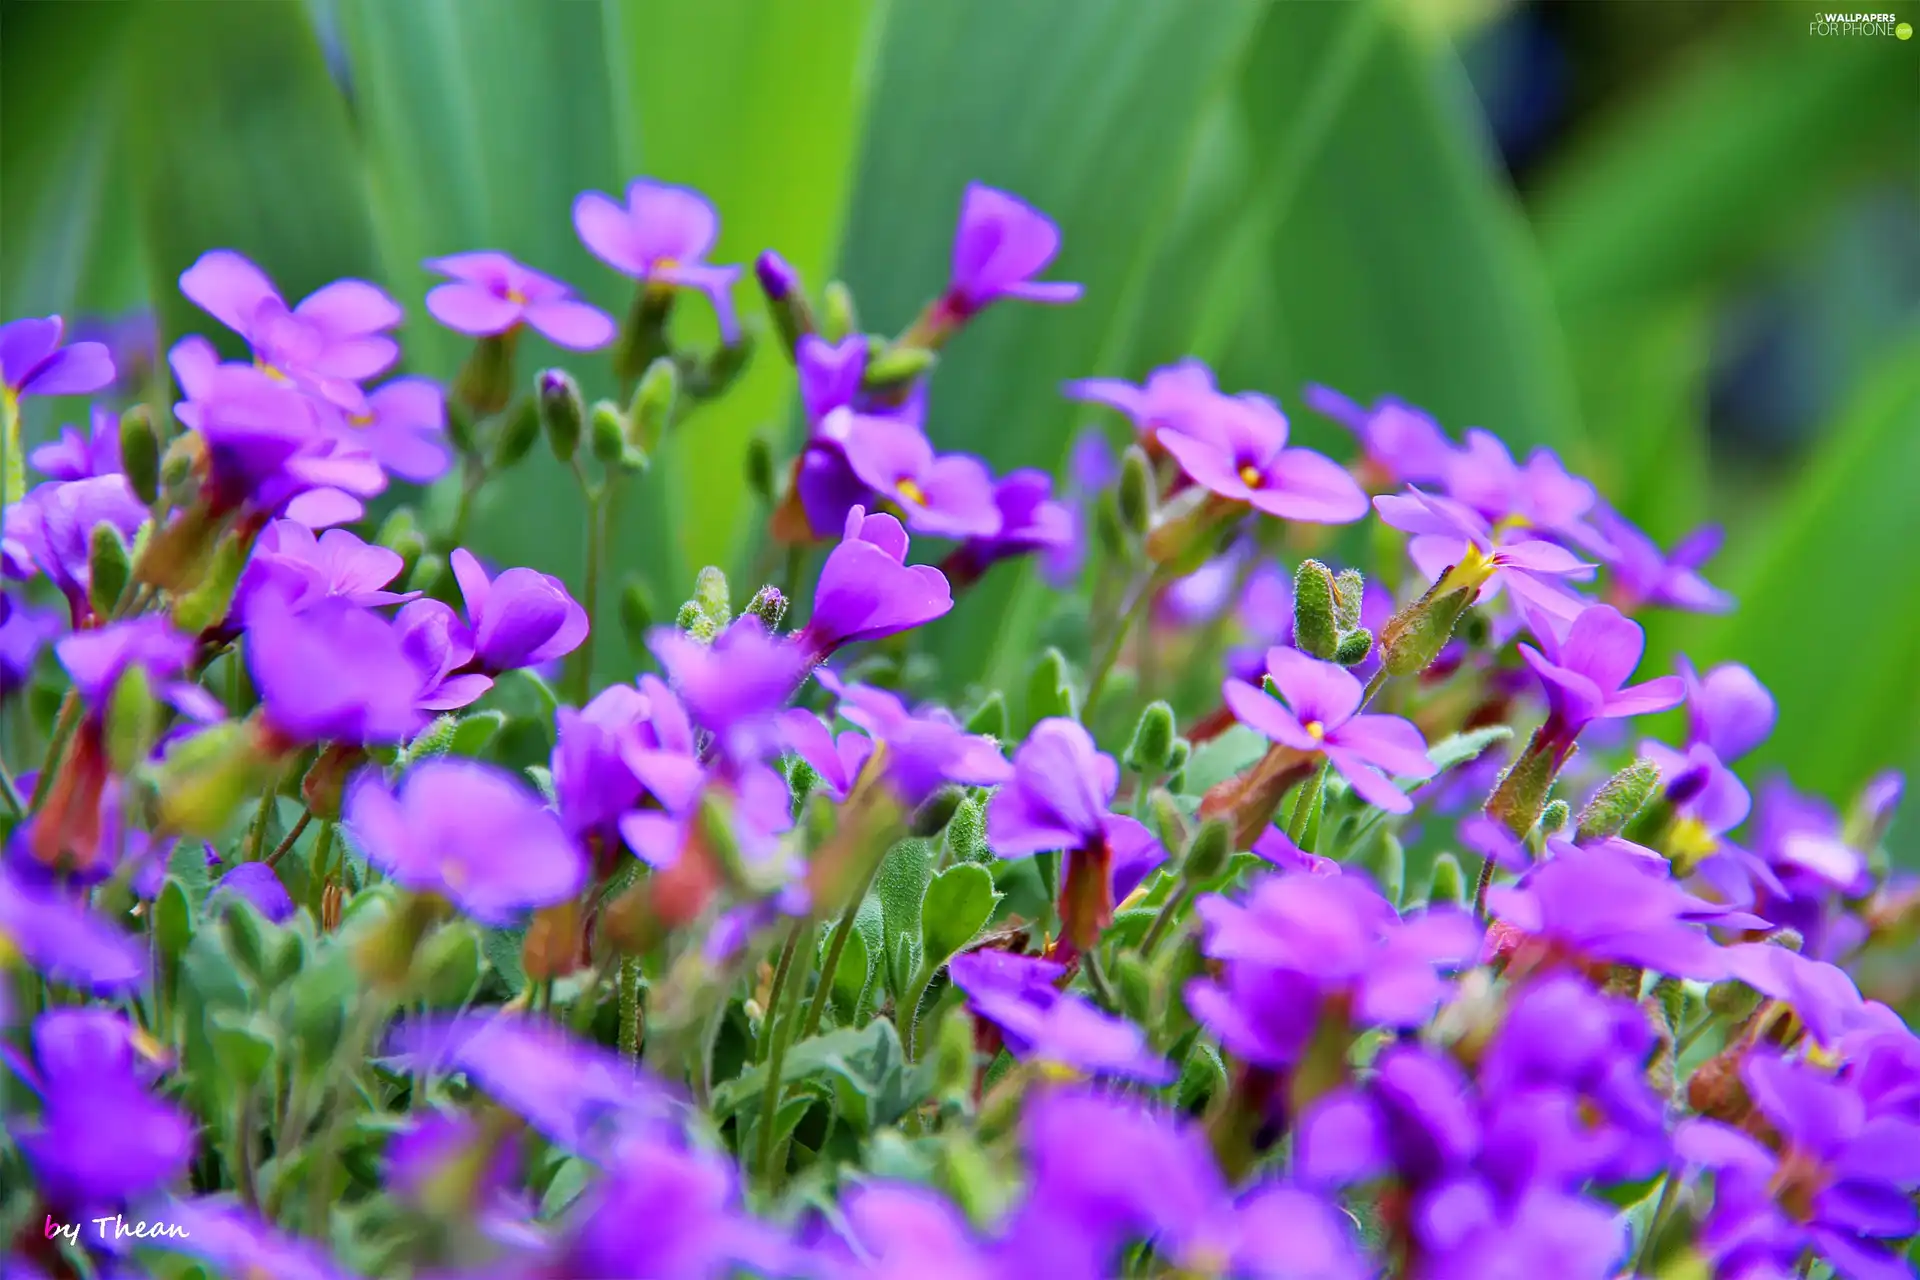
[
  {"x": 1858, "y": 24},
  {"x": 1904, "y": 30}
]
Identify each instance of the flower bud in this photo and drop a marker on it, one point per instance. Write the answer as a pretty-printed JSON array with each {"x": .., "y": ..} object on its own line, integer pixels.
[
  {"x": 651, "y": 411},
  {"x": 1390, "y": 868},
  {"x": 769, "y": 604},
  {"x": 897, "y": 367},
  {"x": 1177, "y": 758},
  {"x": 786, "y": 299},
  {"x": 460, "y": 433},
  {"x": 760, "y": 470},
  {"x": 1521, "y": 793},
  {"x": 1619, "y": 798},
  {"x": 694, "y": 621},
  {"x": 140, "y": 452},
  {"x": 133, "y": 720},
  {"x": 562, "y": 412},
  {"x": 1152, "y": 740},
  {"x": 715, "y": 598},
  {"x": 1446, "y": 883},
  {"x": 109, "y": 566},
  {"x": 400, "y": 533},
  {"x": 1208, "y": 851},
  {"x": 251, "y": 942},
  {"x": 429, "y": 571},
  {"x": 838, "y": 318},
  {"x": 1413, "y": 637},
  {"x": 1135, "y": 495},
  {"x": 1353, "y": 648},
  {"x": 1315, "y": 629},
  {"x": 607, "y": 433},
  {"x": 485, "y": 381},
  {"x": 1553, "y": 819},
  {"x": 636, "y": 612},
  {"x": 1169, "y": 825},
  {"x": 966, "y": 836},
  {"x": 517, "y": 434},
  {"x": 1109, "y": 529},
  {"x": 990, "y": 717},
  {"x": 1049, "y": 692},
  {"x": 1349, "y": 590},
  {"x": 448, "y": 966},
  {"x": 205, "y": 778},
  {"x": 643, "y": 338},
  {"x": 431, "y": 743},
  {"x": 931, "y": 818},
  {"x": 551, "y": 948},
  {"x": 209, "y": 600}
]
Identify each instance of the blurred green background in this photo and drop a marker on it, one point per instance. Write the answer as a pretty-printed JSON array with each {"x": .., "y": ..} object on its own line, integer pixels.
[{"x": 1676, "y": 241}]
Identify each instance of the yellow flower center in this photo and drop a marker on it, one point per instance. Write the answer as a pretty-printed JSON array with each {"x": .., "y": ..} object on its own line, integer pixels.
[
  {"x": 516, "y": 297},
  {"x": 1316, "y": 730},
  {"x": 1058, "y": 1071},
  {"x": 1250, "y": 476},
  {"x": 1688, "y": 842},
  {"x": 1474, "y": 569},
  {"x": 911, "y": 492},
  {"x": 1510, "y": 524}
]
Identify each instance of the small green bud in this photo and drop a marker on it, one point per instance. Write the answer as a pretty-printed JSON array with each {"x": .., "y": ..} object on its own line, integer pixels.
[
  {"x": 1619, "y": 798},
  {"x": 247, "y": 937},
  {"x": 897, "y": 367},
  {"x": 654, "y": 401},
  {"x": 431, "y": 743},
  {"x": 1413, "y": 637},
  {"x": 838, "y": 315},
  {"x": 1732, "y": 1000},
  {"x": 1178, "y": 754},
  {"x": 1522, "y": 791},
  {"x": 966, "y": 837},
  {"x": 428, "y": 573},
  {"x": 636, "y": 612},
  {"x": 1553, "y": 819},
  {"x": 607, "y": 434},
  {"x": 1049, "y": 692},
  {"x": 1315, "y": 630},
  {"x": 1164, "y": 817},
  {"x": 715, "y": 598},
  {"x": 720, "y": 370},
  {"x": 1152, "y": 740},
  {"x": 931, "y": 818},
  {"x": 1447, "y": 883},
  {"x": 786, "y": 298},
  {"x": 769, "y": 604},
  {"x": 448, "y": 966},
  {"x": 485, "y": 381},
  {"x": 1109, "y": 530},
  {"x": 400, "y": 532},
  {"x": 109, "y": 565},
  {"x": 562, "y": 411},
  {"x": 1353, "y": 648},
  {"x": 460, "y": 431},
  {"x": 1349, "y": 589},
  {"x": 760, "y": 470},
  {"x": 990, "y": 717},
  {"x": 176, "y": 464},
  {"x": 133, "y": 720},
  {"x": 517, "y": 433},
  {"x": 1135, "y": 496},
  {"x": 1672, "y": 995},
  {"x": 1207, "y": 853},
  {"x": 1390, "y": 868},
  {"x": 208, "y": 602},
  {"x": 694, "y": 621},
  {"x": 140, "y": 452}
]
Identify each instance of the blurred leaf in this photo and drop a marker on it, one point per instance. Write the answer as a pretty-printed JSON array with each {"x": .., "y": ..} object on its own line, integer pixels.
[
  {"x": 240, "y": 140},
  {"x": 1829, "y": 613}
]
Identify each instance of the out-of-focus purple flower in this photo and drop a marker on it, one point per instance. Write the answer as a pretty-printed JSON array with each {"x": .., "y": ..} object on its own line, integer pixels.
[
  {"x": 1416, "y": 1117},
  {"x": 403, "y": 427},
  {"x": 300, "y": 570},
  {"x": 1467, "y": 1231},
  {"x": 758, "y": 809},
  {"x": 836, "y": 759},
  {"x": 33, "y": 363},
  {"x": 335, "y": 672},
  {"x": 1030, "y": 521},
  {"x": 54, "y": 526},
  {"x": 101, "y": 1138},
  {"x": 467, "y": 831},
  {"x": 132, "y": 340},
  {"x": 1840, "y": 1180},
  {"x": 1273, "y": 846},
  {"x": 61, "y": 938},
  {"x": 867, "y": 590},
  {"x": 235, "y": 1241},
  {"x": 259, "y": 884},
  {"x": 328, "y": 344},
  {"x": 1597, "y": 905},
  {"x": 1728, "y": 709},
  {"x": 1402, "y": 444},
  {"x": 1297, "y": 945},
  {"x": 1643, "y": 576},
  {"x": 1172, "y": 396},
  {"x": 925, "y": 749},
  {"x": 593, "y": 785},
  {"x": 998, "y": 249},
  {"x": 80, "y": 457},
  {"x": 899, "y": 1231},
  {"x": 1822, "y": 995},
  {"x": 521, "y": 618},
  {"x": 1091, "y": 467},
  {"x": 736, "y": 687},
  {"x": 492, "y": 294},
  {"x": 829, "y": 373},
  {"x": 1320, "y": 715},
  {"x": 1540, "y": 495},
  {"x": 1451, "y": 539},
  {"x": 949, "y": 495},
  {"x": 661, "y": 236},
  {"x": 1803, "y": 848},
  {"x": 1584, "y": 673},
  {"x": 1239, "y": 451},
  {"x": 441, "y": 647},
  {"x": 1059, "y": 1031},
  {"x": 95, "y": 660},
  {"x": 23, "y": 631}
]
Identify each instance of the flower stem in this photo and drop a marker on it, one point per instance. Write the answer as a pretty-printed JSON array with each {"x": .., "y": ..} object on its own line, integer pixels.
[
  {"x": 286, "y": 841},
  {"x": 1136, "y": 604},
  {"x": 1163, "y": 919},
  {"x": 794, "y": 961},
  {"x": 10, "y": 793},
  {"x": 630, "y": 1009},
  {"x": 1097, "y": 979},
  {"x": 599, "y": 508},
  {"x": 835, "y": 945},
  {"x": 1304, "y": 806},
  {"x": 1669, "y": 1191},
  {"x": 63, "y": 727},
  {"x": 1481, "y": 884}
]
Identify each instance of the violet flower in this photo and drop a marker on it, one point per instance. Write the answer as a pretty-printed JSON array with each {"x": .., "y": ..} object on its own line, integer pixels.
[
  {"x": 1176, "y": 395},
  {"x": 54, "y": 527},
  {"x": 59, "y": 937},
  {"x": 1584, "y": 672},
  {"x": 238, "y": 1242},
  {"x": 1541, "y": 495},
  {"x": 1467, "y": 1231},
  {"x": 758, "y": 810},
  {"x": 95, "y": 660},
  {"x": 1239, "y": 452},
  {"x": 491, "y": 294},
  {"x": 258, "y": 884},
  {"x": 868, "y": 591},
  {"x": 33, "y": 363},
  {"x": 736, "y": 687},
  {"x": 661, "y": 236},
  {"x": 1643, "y": 576},
  {"x": 901, "y": 1231},
  {"x": 404, "y": 428},
  {"x": 1000, "y": 245},
  {"x": 925, "y": 749},
  {"x": 1030, "y": 521},
  {"x": 1401, "y": 444},
  {"x": 1063, "y": 1034},
  {"x": 24, "y": 630},
  {"x": 948, "y": 495},
  {"x": 1091, "y": 468},
  {"x": 80, "y": 457},
  {"x": 521, "y": 618},
  {"x": 327, "y": 344},
  {"x": 1320, "y": 716},
  {"x": 829, "y": 373},
  {"x": 441, "y": 648},
  {"x": 469, "y": 832},
  {"x": 1599, "y": 906},
  {"x": 300, "y": 570},
  {"x": 1454, "y": 547},
  {"x": 334, "y": 672},
  {"x": 593, "y": 785},
  {"x": 835, "y": 760}
]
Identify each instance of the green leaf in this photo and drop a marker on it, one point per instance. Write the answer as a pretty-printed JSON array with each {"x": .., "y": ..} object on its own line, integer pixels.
[
  {"x": 901, "y": 885},
  {"x": 958, "y": 904},
  {"x": 1459, "y": 748},
  {"x": 872, "y": 1079},
  {"x": 474, "y": 732},
  {"x": 502, "y": 948},
  {"x": 853, "y": 975},
  {"x": 1215, "y": 761},
  {"x": 242, "y": 1046},
  {"x": 172, "y": 919}
]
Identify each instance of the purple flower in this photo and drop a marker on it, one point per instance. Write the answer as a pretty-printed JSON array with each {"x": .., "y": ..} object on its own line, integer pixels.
[
  {"x": 925, "y": 749},
  {"x": 947, "y": 495},
  {"x": 404, "y": 427},
  {"x": 1584, "y": 672},
  {"x": 328, "y": 344},
  {"x": 238, "y": 1243},
  {"x": 259, "y": 884},
  {"x": 1001, "y": 244},
  {"x": 1452, "y": 540},
  {"x": 1416, "y": 1117},
  {"x": 1540, "y": 495},
  {"x": 1059, "y": 1031},
  {"x": 1174, "y": 396},
  {"x": 54, "y": 526},
  {"x": 830, "y": 373},
  {"x": 1643, "y": 575},
  {"x": 441, "y": 648},
  {"x": 758, "y": 809},
  {"x": 469, "y": 832},
  {"x": 1298, "y": 944},
  {"x": 867, "y": 590},
  {"x": 593, "y": 785},
  {"x": 1728, "y": 709},
  {"x": 1467, "y": 1231},
  {"x": 1841, "y": 1181},
  {"x": 33, "y": 363},
  {"x": 58, "y": 936},
  {"x": 1239, "y": 451},
  {"x": 899, "y": 1231},
  {"x": 95, "y": 660},
  {"x": 520, "y": 619},
  {"x": 1320, "y": 716},
  {"x": 1030, "y": 521},
  {"x": 492, "y": 294},
  {"x": 300, "y": 570},
  {"x": 23, "y": 630},
  {"x": 736, "y": 687},
  {"x": 1403, "y": 445},
  {"x": 1091, "y": 467},
  {"x": 77, "y": 457},
  {"x": 335, "y": 672},
  {"x": 1597, "y": 905},
  {"x": 837, "y": 761},
  {"x": 1824, "y": 998},
  {"x": 661, "y": 236},
  {"x": 101, "y": 1138}
]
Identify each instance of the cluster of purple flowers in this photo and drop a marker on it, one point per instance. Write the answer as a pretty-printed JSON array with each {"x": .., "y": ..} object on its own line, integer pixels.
[{"x": 768, "y": 963}]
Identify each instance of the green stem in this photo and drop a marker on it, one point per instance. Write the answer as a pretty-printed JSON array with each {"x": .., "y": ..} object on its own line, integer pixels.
[
  {"x": 472, "y": 477},
  {"x": 776, "y": 991},
  {"x": 906, "y": 1014},
  {"x": 10, "y": 793},
  {"x": 1303, "y": 807},
  {"x": 243, "y": 1169},
  {"x": 1129, "y": 614},
  {"x": 63, "y": 727},
  {"x": 631, "y": 1012},
  {"x": 794, "y": 961},
  {"x": 12, "y": 463},
  {"x": 1163, "y": 919},
  {"x": 599, "y": 505},
  {"x": 1669, "y": 1191},
  {"x": 1097, "y": 979},
  {"x": 1482, "y": 883},
  {"x": 588, "y": 999},
  {"x": 257, "y": 838},
  {"x": 835, "y": 945},
  {"x": 1374, "y": 683},
  {"x": 287, "y": 841}
]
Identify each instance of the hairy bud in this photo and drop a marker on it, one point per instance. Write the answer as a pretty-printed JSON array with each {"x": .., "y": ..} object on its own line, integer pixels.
[
  {"x": 140, "y": 452},
  {"x": 1617, "y": 801},
  {"x": 1413, "y": 637},
  {"x": 562, "y": 411},
  {"x": 1315, "y": 629},
  {"x": 1353, "y": 648},
  {"x": 1135, "y": 495},
  {"x": 1152, "y": 740}
]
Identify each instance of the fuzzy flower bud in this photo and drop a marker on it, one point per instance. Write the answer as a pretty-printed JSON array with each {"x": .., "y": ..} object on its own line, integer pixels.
[
  {"x": 786, "y": 297},
  {"x": 1413, "y": 637},
  {"x": 1135, "y": 494},
  {"x": 1617, "y": 801},
  {"x": 1152, "y": 740},
  {"x": 1447, "y": 882},
  {"x": 1315, "y": 628},
  {"x": 1349, "y": 591},
  {"x": 109, "y": 565},
  {"x": 562, "y": 411},
  {"x": 759, "y": 470},
  {"x": 140, "y": 452},
  {"x": 653, "y": 406},
  {"x": 516, "y": 437},
  {"x": 769, "y": 605},
  {"x": 839, "y": 318},
  {"x": 1353, "y": 648},
  {"x": 1208, "y": 851}
]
